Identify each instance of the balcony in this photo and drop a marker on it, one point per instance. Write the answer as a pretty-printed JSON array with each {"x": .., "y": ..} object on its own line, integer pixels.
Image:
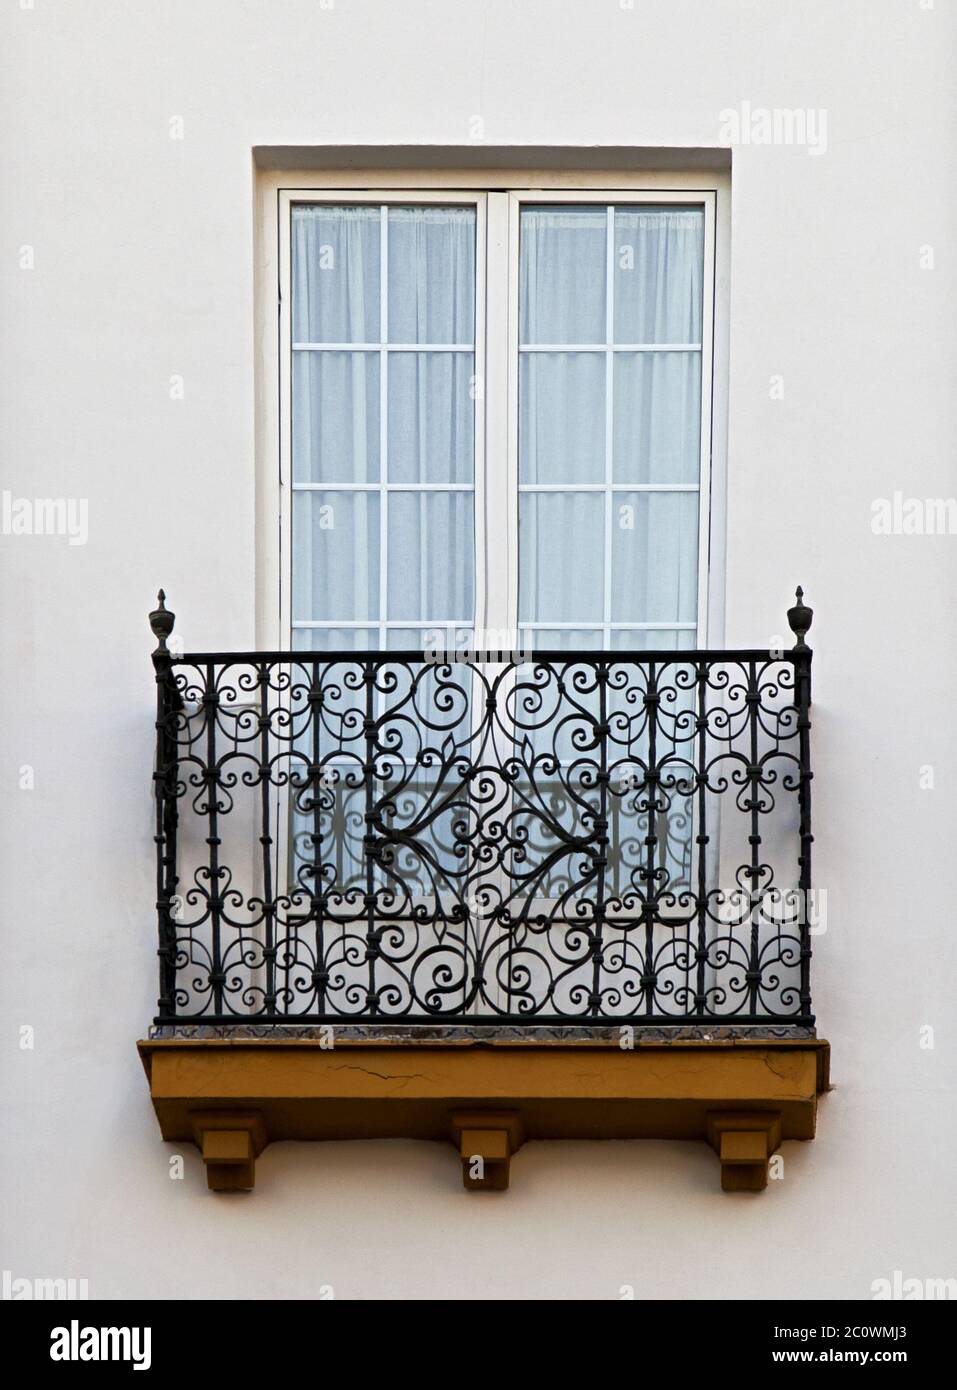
[{"x": 484, "y": 896}]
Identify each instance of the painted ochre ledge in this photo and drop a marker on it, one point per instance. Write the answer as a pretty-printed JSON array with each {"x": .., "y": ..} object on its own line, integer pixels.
[{"x": 232, "y": 1096}]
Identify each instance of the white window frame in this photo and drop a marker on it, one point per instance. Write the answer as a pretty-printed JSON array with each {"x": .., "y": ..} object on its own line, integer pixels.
[{"x": 496, "y": 484}]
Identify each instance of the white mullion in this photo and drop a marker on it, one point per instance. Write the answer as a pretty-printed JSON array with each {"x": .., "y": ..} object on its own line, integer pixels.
[
  {"x": 606, "y": 347},
  {"x": 377, "y": 347},
  {"x": 383, "y": 421},
  {"x": 609, "y": 413},
  {"x": 560, "y": 626},
  {"x": 374, "y": 487},
  {"x": 392, "y": 622},
  {"x": 595, "y": 487},
  {"x": 555, "y": 624},
  {"x": 523, "y": 487}
]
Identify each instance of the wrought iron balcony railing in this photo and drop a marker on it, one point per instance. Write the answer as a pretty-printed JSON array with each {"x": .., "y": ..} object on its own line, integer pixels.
[{"x": 555, "y": 837}]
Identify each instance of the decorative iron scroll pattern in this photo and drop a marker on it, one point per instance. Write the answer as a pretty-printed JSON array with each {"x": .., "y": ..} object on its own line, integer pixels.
[{"x": 559, "y": 838}]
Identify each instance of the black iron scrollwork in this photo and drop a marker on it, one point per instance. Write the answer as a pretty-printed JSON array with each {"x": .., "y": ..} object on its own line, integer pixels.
[{"x": 567, "y": 837}]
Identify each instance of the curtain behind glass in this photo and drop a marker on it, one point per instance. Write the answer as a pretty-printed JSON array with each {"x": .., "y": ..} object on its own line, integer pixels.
[
  {"x": 609, "y": 417},
  {"x": 609, "y": 403},
  {"x": 382, "y": 445},
  {"x": 338, "y": 274}
]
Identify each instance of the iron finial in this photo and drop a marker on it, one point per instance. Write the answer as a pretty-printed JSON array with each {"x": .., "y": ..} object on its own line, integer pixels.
[
  {"x": 799, "y": 618},
  {"x": 161, "y": 623}
]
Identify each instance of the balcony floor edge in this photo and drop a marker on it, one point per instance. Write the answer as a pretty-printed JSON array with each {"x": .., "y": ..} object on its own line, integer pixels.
[{"x": 233, "y": 1095}]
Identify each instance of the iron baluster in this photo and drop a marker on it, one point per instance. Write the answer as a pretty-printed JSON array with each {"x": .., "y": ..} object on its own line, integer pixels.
[
  {"x": 799, "y": 620},
  {"x": 369, "y": 844},
  {"x": 650, "y": 974},
  {"x": 165, "y": 775},
  {"x": 266, "y": 840},
  {"x": 214, "y": 902},
  {"x": 701, "y": 837},
  {"x": 752, "y": 698},
  {"x": 600, "y": 855}
]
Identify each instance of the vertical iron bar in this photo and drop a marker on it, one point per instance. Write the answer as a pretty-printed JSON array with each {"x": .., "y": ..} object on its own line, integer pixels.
[
  {"x": 701, "y": 838},
  {"x": 649, "y": 974},
  {"x": 472, "y": 925},
  {"x": 754, "y": 838},
  {"x": 501, "y": 744},
  {"x": 600, "y": 858},
  {"x": 802, "y": 681},
  {"x": 164, "y": 779},
  {"x": 266, "y": 841},
  {"x": 165, "y": 776},
  {"x": 315, "y": 704},
  {"x": 800, "y": 617},
  {"x": 372, "y": 944},
  {"x": 211, "y": 704}
]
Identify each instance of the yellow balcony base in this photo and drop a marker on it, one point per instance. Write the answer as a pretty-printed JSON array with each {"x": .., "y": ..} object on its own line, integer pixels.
[{"x": 231, "y": 1097}]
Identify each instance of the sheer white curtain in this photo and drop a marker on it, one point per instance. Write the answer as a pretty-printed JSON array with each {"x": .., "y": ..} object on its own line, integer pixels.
[
  {"x": 610, "y": 318},
  {"x": 383, "y": 326},
  {"x": 383, "y": 545},
  {"x": 383, "y": 320},
  {"x": 609, "y": 424}
]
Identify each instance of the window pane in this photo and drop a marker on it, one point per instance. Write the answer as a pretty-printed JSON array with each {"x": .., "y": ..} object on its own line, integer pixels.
[
  {"x": 335, "y": 274},
  {"x": 561, "y": 428},
  {"x": 566, "y": 639},
  {"x": 561, "y": 547},
  {"x": 657, "y": 405},
  {"x": 431, "y": 417},
  {"x": 416, "y": 639},
  {"x": 335, "y": 560},
  {"x": 431, "y": 555},
  {"x": 335, "y": 417},
  {"x": 562, "y": 274},
  {"x": 432, "y": 275},
  {"x": 653, "y": 640},
  {"x": 335, "y": 639},
  {"x": 654, "y": 557},
  {"x": 659, "y": 260}
]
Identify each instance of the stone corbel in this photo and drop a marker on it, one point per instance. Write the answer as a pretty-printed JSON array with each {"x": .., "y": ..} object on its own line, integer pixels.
[
  {"x": 230, "y": 1142},
  {"x": 486, "y": 1140},
  {"x": 744, "y": 1141}
]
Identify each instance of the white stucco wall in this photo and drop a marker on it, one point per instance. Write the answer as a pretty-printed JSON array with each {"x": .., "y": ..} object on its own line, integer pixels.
[{"x": 143, "y": 262}]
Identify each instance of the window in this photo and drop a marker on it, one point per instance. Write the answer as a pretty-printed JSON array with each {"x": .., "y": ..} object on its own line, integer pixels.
[
  {"x": 609, "y": 404},
  {"x": 384, "y": 394},
  {"x": 498, "y": 418},
  {"x": 497, "y": 436}
]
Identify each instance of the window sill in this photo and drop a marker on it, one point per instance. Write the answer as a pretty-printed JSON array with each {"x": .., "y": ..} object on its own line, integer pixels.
[{"x": 233, "y": 1095}]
